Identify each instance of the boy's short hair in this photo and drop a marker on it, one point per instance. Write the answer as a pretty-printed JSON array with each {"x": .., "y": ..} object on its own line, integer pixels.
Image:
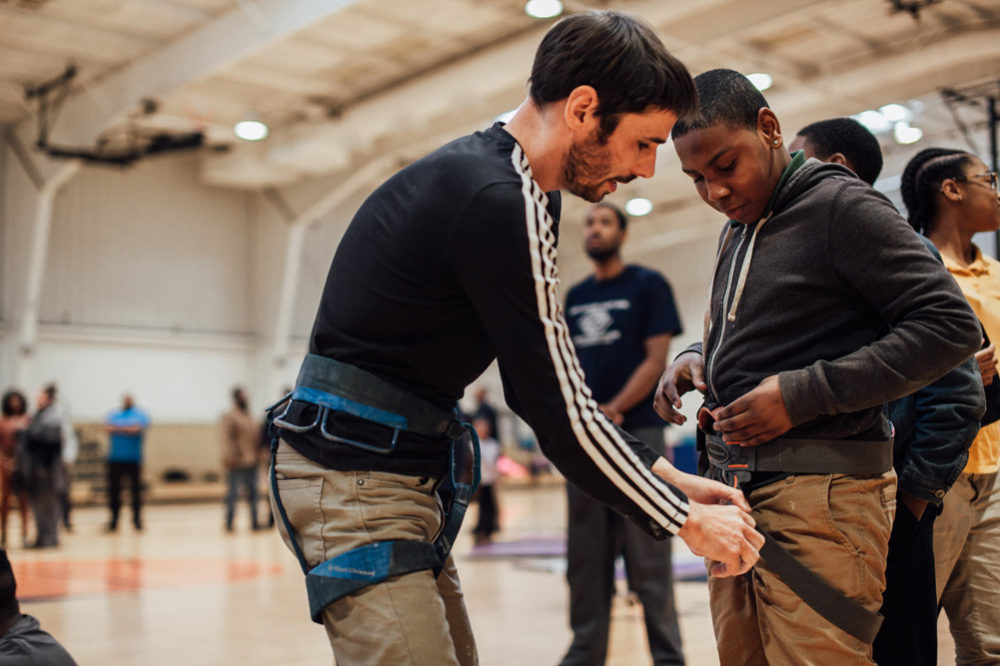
[
  {"x": 725, "y": 97},
  {"x": 621, "y": 57},
  {"x": 852, "y": 139}
]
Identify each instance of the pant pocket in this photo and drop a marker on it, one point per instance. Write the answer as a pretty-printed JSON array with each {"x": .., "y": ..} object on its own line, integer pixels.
[{"x": 301, "y": 499}]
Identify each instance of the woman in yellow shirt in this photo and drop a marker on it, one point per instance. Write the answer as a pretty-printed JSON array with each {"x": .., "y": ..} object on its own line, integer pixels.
[{"x": 950, "y": 196}]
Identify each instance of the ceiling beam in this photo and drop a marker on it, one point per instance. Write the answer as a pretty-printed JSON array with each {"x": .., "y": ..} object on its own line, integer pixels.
[{"x": 223, "y": 40}]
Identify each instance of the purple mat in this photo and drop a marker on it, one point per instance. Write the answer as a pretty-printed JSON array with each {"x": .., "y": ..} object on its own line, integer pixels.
[{"x": 685, "y": 568}]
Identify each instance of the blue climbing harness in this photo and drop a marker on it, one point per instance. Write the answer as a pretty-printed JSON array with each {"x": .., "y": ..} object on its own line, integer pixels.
[{"x": 339, "y": 387}]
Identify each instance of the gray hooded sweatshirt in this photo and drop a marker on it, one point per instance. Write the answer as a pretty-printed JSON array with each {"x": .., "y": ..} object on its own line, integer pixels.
[{"x": 834, "y": 292}]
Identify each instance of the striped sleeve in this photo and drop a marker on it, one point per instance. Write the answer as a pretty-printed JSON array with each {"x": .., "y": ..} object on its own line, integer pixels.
[{"x": 504, "y": 253}]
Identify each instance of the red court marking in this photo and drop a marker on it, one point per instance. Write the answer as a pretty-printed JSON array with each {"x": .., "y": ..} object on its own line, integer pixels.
[{"x": 69, "y": 578}]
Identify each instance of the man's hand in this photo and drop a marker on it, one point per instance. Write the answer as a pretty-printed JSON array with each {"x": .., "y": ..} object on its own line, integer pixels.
[
  {"x": 684, "y": 374},
  {"x": 987, "y": 360},
  {"x": 698, "y": 488},
  {"x": 724, "y": 534},
  {"x": 755, "y": 417}
]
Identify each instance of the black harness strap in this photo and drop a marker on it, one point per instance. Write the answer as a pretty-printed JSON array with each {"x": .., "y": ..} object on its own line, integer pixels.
[
  {"x": 802, "y": 456},
  {"x": 806, "y": 456},
  {"x": 828, "y": 601}
]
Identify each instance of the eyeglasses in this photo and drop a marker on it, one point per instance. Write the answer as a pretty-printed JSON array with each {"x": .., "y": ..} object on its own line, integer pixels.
[{"x": 989, "y": 176}]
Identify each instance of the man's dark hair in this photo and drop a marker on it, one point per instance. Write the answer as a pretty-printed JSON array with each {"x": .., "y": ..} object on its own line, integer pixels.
[
  {"x": 850, "y": 138},
  {"x": 8, "y": 588},
  {"x": 922, "y": 179},
  {"x": 51, "y": 390},
  {"x": 725, "y": 97},
  {"x": 619, "y": 213},
  {"x": 621, "y": 57},
  {"x": 8, "y": 403}
]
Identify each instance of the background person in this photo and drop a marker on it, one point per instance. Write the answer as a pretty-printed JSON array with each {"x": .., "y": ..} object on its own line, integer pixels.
[
  {"x": 933, "y": 428},
  {"x": 950, "y": 196},
  {"x": 240, "y": 452},
  {"x": 13, "y": 421},
  {"x": 621, "y": 320},
  {"x": 43, "y": 442},
  {"x": 126, "y": 429}
]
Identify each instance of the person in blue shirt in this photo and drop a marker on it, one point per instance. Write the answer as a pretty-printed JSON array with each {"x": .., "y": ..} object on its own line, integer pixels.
[
  {"x": 621, "y": 320},
  {"x": 126, "y": 429}
]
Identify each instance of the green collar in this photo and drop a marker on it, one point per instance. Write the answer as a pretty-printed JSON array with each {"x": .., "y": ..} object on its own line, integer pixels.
[{"x": 798, "y": 159}]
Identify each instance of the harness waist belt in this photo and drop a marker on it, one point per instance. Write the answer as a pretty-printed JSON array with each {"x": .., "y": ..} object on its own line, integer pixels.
[
  {"x": 802, "y": 456},
  {"x": 346, "y": 388}
]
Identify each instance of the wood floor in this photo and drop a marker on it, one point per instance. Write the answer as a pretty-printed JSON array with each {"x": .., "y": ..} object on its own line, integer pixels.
[{"x": 185, "y": 592}]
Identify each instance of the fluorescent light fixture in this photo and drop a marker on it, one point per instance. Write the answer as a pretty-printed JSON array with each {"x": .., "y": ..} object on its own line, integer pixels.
[
  {"x": 250, "y": 130},
  {"x": 543, "y": 9},
  {"x": 638, "y": 207},
  {"x": 874, "y": 121},
  {"x": 895, "y": 113},
  {"x": 760, "y": 80},
  {"x": 905, "y": 134}
]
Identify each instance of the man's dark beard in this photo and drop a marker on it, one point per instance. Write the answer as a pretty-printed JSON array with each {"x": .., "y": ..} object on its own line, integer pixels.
[
  {"x": 587, "y": 161},
  {"x": 601, "y": 254}
]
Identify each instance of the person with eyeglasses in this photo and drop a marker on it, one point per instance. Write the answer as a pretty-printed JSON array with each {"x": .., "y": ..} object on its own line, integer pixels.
[{"x": 950, "y": 196}]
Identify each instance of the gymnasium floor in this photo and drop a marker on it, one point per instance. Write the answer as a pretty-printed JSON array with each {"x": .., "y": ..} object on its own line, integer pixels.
[{"x": 185, "y": 592}]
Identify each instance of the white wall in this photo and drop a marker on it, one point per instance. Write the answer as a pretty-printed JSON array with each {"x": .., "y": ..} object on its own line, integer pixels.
[{"x": 153, "y": 284}]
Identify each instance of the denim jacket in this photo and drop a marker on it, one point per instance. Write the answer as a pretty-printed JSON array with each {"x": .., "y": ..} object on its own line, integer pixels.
[{"x": 935, "y": 427}]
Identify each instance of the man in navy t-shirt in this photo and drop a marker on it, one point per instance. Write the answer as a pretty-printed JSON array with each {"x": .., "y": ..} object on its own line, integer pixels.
[
  {"x": 621, "y": 320},
  {"x": 126, "y": 428}
]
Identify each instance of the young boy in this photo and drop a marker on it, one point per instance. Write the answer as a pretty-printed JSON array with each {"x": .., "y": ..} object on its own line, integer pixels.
[{"x": 824, "y": 305}]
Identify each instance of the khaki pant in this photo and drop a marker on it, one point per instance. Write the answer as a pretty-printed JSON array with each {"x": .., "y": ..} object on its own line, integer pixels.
[
  {"x": 838, "y": 526},
  {"x": 410, "y": 620},
  {"x": 967, "y": 564}
]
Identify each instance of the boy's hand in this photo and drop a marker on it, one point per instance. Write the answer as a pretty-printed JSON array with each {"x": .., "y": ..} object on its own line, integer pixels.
[
  {"x": 987, "y": 360},
  {"x": 756, "y": 417},
  {"x": 684, "y": 374}
]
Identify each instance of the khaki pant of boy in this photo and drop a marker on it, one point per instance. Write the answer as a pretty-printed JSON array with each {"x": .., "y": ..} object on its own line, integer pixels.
[
  {"x": 838, "y": 526},
  {"x": 967, "y": 562},
  {"x": 411, "y": 620}
]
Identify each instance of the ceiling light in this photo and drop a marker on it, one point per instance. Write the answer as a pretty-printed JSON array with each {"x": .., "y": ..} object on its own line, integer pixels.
[
  {"x": 874, "y": 121},
  {"x": 905, "y": 134},
  {"x": 638, "y": 207},
  {"x": 250, "y": 130},
  {"x": 543, "y": 9},
  {"x": 760, "y": 80},
  {"x": 894, "y": 113}
]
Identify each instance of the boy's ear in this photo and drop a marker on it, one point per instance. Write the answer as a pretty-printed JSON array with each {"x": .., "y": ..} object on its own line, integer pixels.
[
  {"x": 769, "y": 128},
  {"x": 840, "y": 158}
]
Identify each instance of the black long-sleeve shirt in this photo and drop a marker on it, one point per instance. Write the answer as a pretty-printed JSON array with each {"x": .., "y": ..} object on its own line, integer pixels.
[{"x": 450, "y": 264}]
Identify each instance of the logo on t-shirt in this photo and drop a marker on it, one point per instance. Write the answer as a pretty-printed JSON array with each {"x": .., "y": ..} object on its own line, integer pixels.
[{"x": 595, "y": 320}]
